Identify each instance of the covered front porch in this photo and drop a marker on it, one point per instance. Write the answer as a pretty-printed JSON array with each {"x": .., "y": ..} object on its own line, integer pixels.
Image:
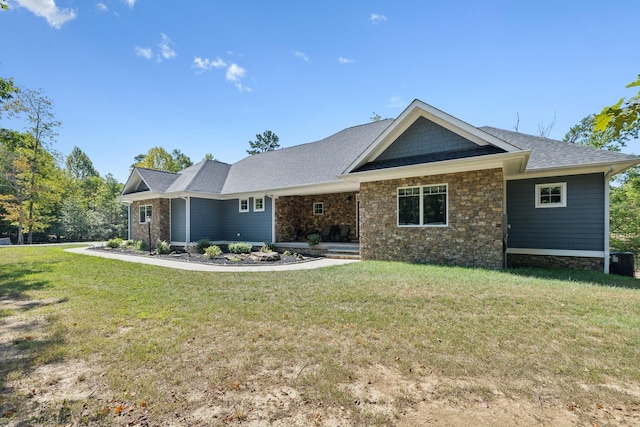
[{"x": 333, "y": 216}]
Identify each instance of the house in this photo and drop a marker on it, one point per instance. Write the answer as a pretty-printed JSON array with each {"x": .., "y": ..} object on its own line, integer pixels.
[{"x": 425, "y": 187}]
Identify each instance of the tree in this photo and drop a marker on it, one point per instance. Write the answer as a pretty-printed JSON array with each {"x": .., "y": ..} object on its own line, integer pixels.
[
  {"x": 79, "y": 165},
  {"x": 376, "y": 117},
  {"x": 625, "y": 213},
  {"x": 622, "y": 115},
  {"x": 209, "y": 156},
  {"x": 160, "y": 159},
  {"x": 7, "y": 89},
  {"x": 584, "y": 133},
  {"x": 42, "y": 126},
  {"x": 268, "y": 141}
]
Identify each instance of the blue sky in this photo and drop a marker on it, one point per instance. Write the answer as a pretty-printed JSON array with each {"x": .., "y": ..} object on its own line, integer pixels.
[{"x": 207, "y": 76}]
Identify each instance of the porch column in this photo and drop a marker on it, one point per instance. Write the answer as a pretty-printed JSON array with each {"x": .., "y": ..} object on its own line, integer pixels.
[{"x": 188, "y": 219}]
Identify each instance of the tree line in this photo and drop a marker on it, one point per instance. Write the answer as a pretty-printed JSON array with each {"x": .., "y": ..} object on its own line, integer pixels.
[{"x": 43, "y": 195}]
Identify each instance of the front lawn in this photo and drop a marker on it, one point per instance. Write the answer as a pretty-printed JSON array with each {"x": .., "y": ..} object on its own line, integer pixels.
[{"x": 91, "y": 341}]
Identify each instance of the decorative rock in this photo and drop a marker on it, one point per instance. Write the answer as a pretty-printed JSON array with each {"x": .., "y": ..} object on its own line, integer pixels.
[{"x": 265, "y": 256}]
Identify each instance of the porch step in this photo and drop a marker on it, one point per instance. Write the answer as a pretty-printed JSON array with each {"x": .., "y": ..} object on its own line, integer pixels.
[{"x": 343, "y": 253}]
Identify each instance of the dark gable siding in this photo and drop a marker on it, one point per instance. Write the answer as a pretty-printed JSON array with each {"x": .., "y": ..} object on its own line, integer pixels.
[
  {"x": 579, "y": 226},
  {"x": 252, "y": 226},
  {"x": 205, "y": 219},
  {"x": 178, "y": 220},
  {"x": 425, "y": 137}
]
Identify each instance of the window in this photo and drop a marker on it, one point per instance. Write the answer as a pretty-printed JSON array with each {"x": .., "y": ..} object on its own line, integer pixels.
[
  {"x": 258, "y": 204},
  {"x": 422, "y": 205},
  {"x": 145, "y": 211},
  {"x": 318, "y": 208},
  {"x": 244, "y": 205},
  {"x": 551, "y": 195}
]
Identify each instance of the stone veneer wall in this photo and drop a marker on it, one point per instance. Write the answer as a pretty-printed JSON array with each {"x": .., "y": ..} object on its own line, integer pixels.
[
  {"x": 472, "y": 238},
  {"x": 295, "y": 219},
  {"x": 548, "y": 261},
  {"x": 160, "y": 221}
]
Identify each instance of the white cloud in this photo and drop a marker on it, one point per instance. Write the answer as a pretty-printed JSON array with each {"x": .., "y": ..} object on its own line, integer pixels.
[
  {"x": 203, "y": 64},
  {"x": 234, "y": 73},
  {"x": 101, "y": 7},
  {"x": 301, "y": 55},
  {"x": 344, "y": 60},
  {"x": 144, "y": 52},
  {"x": 166, "y": 50},
  {"x": 130, "y": 3},
  {"x": 377, "y": 19},
  {"x": 48, "y": 10}
]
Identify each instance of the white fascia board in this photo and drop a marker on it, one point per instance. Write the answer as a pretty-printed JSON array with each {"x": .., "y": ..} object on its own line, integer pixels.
[
  {"x": 133, "y": 181},
  {"x": 556, "y": 252},
  {"x": 144, "y": 195},
  {"x": 307, "y": 190},
  {"x": 419, "y": 109},
  {"x": 493, "y": 161},
  {"x": 608, "y": 168}
]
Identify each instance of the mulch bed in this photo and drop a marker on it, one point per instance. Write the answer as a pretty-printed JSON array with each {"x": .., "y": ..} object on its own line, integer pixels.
[{"x": 224, "y": 259}]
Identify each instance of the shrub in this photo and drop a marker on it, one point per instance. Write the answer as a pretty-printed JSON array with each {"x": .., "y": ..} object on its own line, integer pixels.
[
  {"x": 313, "y": 239},
  {"x": 128, "y": 243},
  {"x": 114, "y": 243},
  {"x": 162, "y": 247},
  {"x": 201, "y": 245},
  {"x": 240, "y": 248},
  {"x": 141, "y": 245},
  {"x": 268, "y": 247},
  {"x": 212, "y": 252}
]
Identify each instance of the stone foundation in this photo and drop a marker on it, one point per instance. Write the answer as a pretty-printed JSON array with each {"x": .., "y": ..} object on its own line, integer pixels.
[
  {"x": 160, "y": 222},
  {"x": 472, "y": 238},
  {"x": 295, "y": 219},
  {"x": 548, "y": 261}
]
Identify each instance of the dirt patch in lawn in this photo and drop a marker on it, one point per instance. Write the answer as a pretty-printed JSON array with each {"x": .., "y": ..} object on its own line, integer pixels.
[{"x": 76, "y": 392}]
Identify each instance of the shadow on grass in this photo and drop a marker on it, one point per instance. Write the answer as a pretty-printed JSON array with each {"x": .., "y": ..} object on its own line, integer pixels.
[
  {"x": 15, "y": 280},
  {"x": 22, "y": 344},
  {"x": 611, "y": 280}
]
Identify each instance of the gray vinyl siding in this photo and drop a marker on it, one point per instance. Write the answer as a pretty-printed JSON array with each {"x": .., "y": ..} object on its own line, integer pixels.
[
  {"x": 221, "y": 220},
  {"x": 252, "y": 226},
  {"x": 425, "y": 137},
  {"x": 206, "y": 220},
  {"x": 178, "y": 220},
  {"x": 578, "y": 226}
]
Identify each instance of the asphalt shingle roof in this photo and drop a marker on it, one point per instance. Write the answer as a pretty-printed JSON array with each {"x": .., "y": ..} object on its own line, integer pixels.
[
  {"x": 322, "y": 161},
  {"x": 313, "y": 163},
  {"x": 549, "y": 153}
]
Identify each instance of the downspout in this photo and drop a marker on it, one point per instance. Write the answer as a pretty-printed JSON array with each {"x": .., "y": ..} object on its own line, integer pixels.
[
  {"x": 606, "y": 218},
  {"x": 273, "y": 218}
]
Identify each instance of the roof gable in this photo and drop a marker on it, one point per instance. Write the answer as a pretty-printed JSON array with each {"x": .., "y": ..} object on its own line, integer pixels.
[{"x": 450, "y": 134}]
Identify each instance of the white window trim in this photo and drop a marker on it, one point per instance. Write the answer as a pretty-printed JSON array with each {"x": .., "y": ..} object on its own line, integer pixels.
[
  {"x": 321, "y": 204},
  {"x": 255, "y": 208},
  {"x": 421, "y": 195},
  {"x": 240, "y": 205},
  {"x": 563, "y": 195},
  {"x": 145, "y": 213}
]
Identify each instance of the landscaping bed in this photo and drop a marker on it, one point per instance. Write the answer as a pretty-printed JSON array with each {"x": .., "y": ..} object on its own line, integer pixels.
[{"x": 253, "y": 258}]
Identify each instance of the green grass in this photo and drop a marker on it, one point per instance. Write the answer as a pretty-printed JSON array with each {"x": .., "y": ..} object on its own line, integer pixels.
[{"x": 164, "y": 334}]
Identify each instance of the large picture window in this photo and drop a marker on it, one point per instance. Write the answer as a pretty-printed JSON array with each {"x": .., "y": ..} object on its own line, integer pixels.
[
  {"x": 551, "y": 195},
  {"x": 145, "y": 211},
  {"x": 422, "y": 205}
]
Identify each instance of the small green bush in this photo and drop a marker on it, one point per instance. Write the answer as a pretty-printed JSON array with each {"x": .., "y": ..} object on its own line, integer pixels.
[
  {"x": 141, "y": 245},
  {"x": 212, "y": 252},
  {"x": 162, "y": 247},
  {"x": 240, "y": 248},
  {"x": 114, "y": 243},
  {"x": 201, "y": 245},
  {"x": 268, "y": 247},
  {"x": 128, "y": 243},
  {"x": 313, "y": 239}
]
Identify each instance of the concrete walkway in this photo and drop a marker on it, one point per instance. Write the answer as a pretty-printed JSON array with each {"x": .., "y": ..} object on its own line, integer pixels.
[{"x": 194, "y": 266}]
